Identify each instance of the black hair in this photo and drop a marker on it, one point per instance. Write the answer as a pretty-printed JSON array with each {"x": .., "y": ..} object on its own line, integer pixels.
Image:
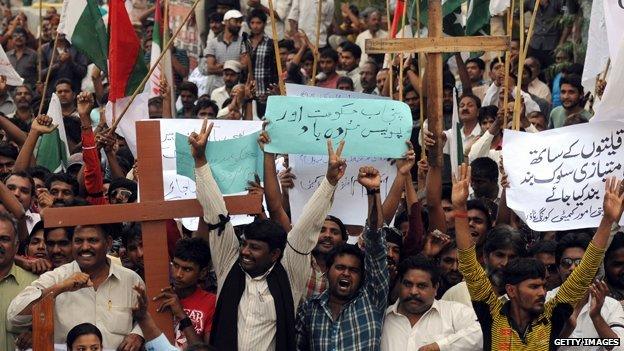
[
  {"x": 205, "y": 103},
  {"x": 544, "y": 246},
  {"x": 421, "y": 263},
  {"x": 307, "y": 56},
  {"x": 346, "y": 249},
  {"x": 188, "y": 86},
  {"x": 39, "y": 172},
  {"x": 504, "y": 237},
  {"x": 374, "y": 64},
  {"x": 215, "y": 17},
  {"x": 23, "y": 126},
  {"x": 8, "y": 150},
  {"x": 287, "y": 44},
  {"x": 131, "y": 233},
  {"x": 344, "y": 80},
  {"x": 616, "y": 244},
  {"x": 267, "y": 231},
  {"x": 7, "y": 217},
  {"x": 574, "y": 239},
  {"x": 68, "y": 230},
  {"x": 24, "y": 175},
  {"x": 65, "y": 178},
  {"x": 521, "y": 269},
  {"x": 409, "y": 88},
  {"x": 64, "y": 81},
  {"x": 393, "y": 236},
  {"x": 80, "y": 330},
  {"x": 485, "y": 167},
  {"x": 155, "y": 101},
  {"x": 479, "y": 62},
  {"x": 354, "y": 49},
  {"x": 448, "y": 80},
  {"x": 489, "y": 111},
  {"x": 474, "y": 98},
  {"x": 400, "y": 218},
  {"x": 124, "y": 183},
  {"x": 257, "y": 13},
  {"x": 479, "y": 205},
  {"x": 573, "y": 80},
  {"x": 72, "y": 128},
  {"x": 343, "y": 228},
  {"x": 200, "y": 347},
  {"x": 330, "y": 53},
  {"x": 575, "y": 68},
  {"x": 194, "y": 250},
  {"x": 496, "y": 61},
  {"x": 19, "y": 30},
  {"x": 447, "y": 192}
]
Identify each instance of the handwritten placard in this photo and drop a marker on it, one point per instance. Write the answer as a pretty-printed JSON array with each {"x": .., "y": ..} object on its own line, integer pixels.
[
  {"x": 350, "y": 199},
  {"x": 371, "y": 128},
  {"x": 318, "y": 92},
  {"x": 557, "y": 176}
]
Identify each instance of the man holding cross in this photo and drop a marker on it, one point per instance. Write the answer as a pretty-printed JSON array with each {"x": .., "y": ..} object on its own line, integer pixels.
[{"x": 260, "y": 280}]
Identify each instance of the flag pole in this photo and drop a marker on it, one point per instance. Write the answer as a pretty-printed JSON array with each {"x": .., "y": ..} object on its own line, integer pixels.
[
  {"x": 391, "y": 83},
  {"x": 151, "y": 70},
  {"x": 317, "y": 41},
  {"x": 421, "y": 71},
  {"x": 524, "y": 41},
  {"x": 278, "y": 57},
  {"x": 47, "y": 80},
  {"x": 401, "y": 63},
  {"x": 39, "y": 52},
  {"x": 507, "y": 65}
]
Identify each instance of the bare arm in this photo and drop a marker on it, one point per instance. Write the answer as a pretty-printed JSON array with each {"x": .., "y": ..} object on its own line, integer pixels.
[
  {"x": 12, "y": 131},
  {"x": 272, "y": 192},
  {"x": 212, "y": 66},
  {"x": 404, "y": 166},
  {"x": 463, "y": 74}
]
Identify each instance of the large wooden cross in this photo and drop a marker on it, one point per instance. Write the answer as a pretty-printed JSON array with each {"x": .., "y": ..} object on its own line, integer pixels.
[
  {"x": 434, "y": 46},
  {"x": 152, "y": 211}
]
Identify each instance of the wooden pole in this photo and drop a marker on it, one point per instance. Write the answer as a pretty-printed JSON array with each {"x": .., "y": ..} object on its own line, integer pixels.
[
  {"x": 606, "y": 70},
  {"x": 47, "y": 80},
  {"x": 434, "y": 84},
  {"x": 401, "y": 63},
  {"x": 507, "y": 65},
  {"x": 39, "y": 52},
  {"x": 391, "y": 83},
  {"x": 151, "y": 70},
  {"x": 317, "y": 41},
  {"x": 518, "y": 99},
  {"x": 278, "y": 58},
  {"x": 531, "y": 26},
  {"x": 421, "y": 75}
]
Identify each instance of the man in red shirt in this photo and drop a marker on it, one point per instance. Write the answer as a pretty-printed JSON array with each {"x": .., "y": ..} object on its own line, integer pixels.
[
  {"x": 328, "y": 64},
  {"x": 190, "y": 305}
]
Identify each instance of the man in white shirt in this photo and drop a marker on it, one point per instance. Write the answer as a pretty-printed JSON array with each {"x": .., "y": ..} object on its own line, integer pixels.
[
  {"x": 260, "y": 279},
  {"x": 373, "y": 22},
  {"x": 90, "y": 289},
  {"x": 303, "y": 15},
  {"x": 417, "y": 321},
  {"x": 231, "y": 76},
  {"x": 536, "y": 86},
  {"x": 350, "y": 64},
  {"x": 281, "y": 8}
]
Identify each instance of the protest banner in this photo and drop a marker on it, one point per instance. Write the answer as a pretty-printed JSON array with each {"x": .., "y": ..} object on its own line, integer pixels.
[
  {"x": 350, "y": 199},
  {"x": 318, "y": 92},
  {"x": 557, "y": 176},
  {"x": 373, "y": 128}
]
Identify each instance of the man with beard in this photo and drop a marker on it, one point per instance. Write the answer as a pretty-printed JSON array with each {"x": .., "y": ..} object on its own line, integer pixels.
[
  {"x": 7, "y": 105},
  {"x": 368, "y": 78},
  {"x": 373, "y": 31},
  {"x": 23, "y": 187},
  {"x": 333, "y": 234},
  {"x": 231, "y": 77},
  {"x": 89, "y": 283},
  {"x": 63, "y": 187},
  {"x": 449, "y": 269},
  {"x": 571, "y": 102},
  {"x": 23, "y": 98},
  {"x": 603, "y": 317},
  {"x": 502, "y": 245},
  {"x": 188, "y": 96},
  {"x": 266, "y": 272},
  {"x": 417, "y": 321},
  {"x": 349, "y": 314},
  {"x": 484, "y": 181},
  {"x": 23, "y": 58},
  {"x": 228, "y": 45},
  {"x": 614, "y": 267},
  {"x": 328, "y": 63},
  {"x": 380, "y": 80},
  {"x": 527, "y": 321}
]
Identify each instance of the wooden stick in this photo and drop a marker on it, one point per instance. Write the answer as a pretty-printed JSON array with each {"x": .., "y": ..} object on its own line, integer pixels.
[
  {"x": 278, "y": 58},
  {"x": 507, "y": 65},
  {"x": 39, "y": 52},
  {"x": 47, "y": 80},
  {"x": 401, "y": 63},
  {"x": 604, "y": 74},
  {"x": 530, "y": 33},
  {"x": 518, "y": 97},
  {"x": 151, "y": 70},
  {"x": 317, "y": 40},
  {"x": 421, "y": 73},
  {"x": 389, "y": 37}
]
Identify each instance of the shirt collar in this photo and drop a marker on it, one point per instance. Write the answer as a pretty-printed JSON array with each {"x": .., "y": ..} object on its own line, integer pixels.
[
  {"x": 15, "y": 274},
  {"x": 113, "y": 269},
  {"x": 260, "y": 277},
  {"x": 394, "y": 309}
]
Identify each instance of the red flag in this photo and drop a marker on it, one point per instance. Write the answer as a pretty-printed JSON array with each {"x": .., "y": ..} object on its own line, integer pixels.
[
  {"x": 397, "y": 19},
  {"x": 126, "y": 65}
]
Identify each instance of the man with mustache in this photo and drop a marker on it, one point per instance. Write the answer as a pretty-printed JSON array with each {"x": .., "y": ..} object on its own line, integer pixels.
[
  {"x": 349, "y": 314},
  {"x": 449, "y": 269},
  {"x": 571, "y": 101},
  {"x": 417, "y": 321},
  {"x": 90, "y": 289},
  {"x": 596, "y": 315},
  {"x": 614, "y": 267},
  {"x": 23, "y": 102},
  {"x": 527, "y": 321},
  {"x": 58, "y": 245}
]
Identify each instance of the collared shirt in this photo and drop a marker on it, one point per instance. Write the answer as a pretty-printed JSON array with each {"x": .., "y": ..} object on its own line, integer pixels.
[
  {"x": 451, "y": 325},
  {"x": 559, "y": 114},
  {"x": 263, "y": 60},
  {"x": 459, "y": 293},
  {"x": 499, "y": 330},
  {"x": 358, "y": 326},
  {"x": 611, "y": 311},
  {"x": 109, "y": 307},
  {"x": 317, "y": 282},
  {"x": 10, "y": 286},
  {"x": 361, "y": 42},
  {"x": 354, "y": 74},
  {"x": 467, "y": 139},
  {"x": 26, "y": 65},
  {"x": 281, "y": 8},
  {"x": 547, "y": 30},
  {"x": 222, "y": 52},
  {"x": 304, "y": 12},
  {"x": 7, "y": 106},
  {"x": 540, "y": 89},
  {"x": 256, "y": 310},
  {"x": 220, "y": 95}
]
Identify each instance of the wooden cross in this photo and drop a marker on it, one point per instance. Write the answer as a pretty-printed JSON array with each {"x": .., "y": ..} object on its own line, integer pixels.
[
  {"x": 434, "y": 46},
  {"x": 152, "y": 211}
]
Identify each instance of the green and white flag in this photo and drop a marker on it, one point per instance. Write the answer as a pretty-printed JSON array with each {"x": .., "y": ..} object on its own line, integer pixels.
[
  {"x": 478, "y": 17},
  {"x": 53, "y": 151},
  {"x": 448, "y": 7},
  {"x": 457, "y": 145},
  {"x": 83, "y": 26}
]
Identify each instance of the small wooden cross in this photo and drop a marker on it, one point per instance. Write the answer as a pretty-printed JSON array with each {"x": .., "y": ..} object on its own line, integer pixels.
[
  {"x": 434, "y": 46},
  {"x": 152, "y": 211}
]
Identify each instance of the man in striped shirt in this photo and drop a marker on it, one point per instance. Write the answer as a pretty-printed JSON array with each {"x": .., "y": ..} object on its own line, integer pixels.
[{"x": 527, "y": 321}]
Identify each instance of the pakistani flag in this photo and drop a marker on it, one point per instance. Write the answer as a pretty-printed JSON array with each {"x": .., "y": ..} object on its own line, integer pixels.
[
  {"x": 160, "y": 26},
  {"x": 52, "y": 151},
  {"x": 448, "y": 7},
  {"x": 81, "y": 22},
  {"x": 478, "y": 17},
  {"x": 456, "y": 145}
]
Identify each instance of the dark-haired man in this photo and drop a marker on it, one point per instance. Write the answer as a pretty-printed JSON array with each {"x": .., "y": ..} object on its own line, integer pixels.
[
  {"x": 614, "y": 267},
  {"x": 328, "y": 63},
  {"x": 8, "y": 155},
  {"x": 58, "y": 243},
  {"x": 545, "y": 252},
  {"x": 188, "y": 96},
  {"x": 350, "y": 63},
  {"x": 484, "y": 180},
  {"x": 91, "y": 289},
  {"x": 349, "y": 314},
  {"x": 417, "y": 321},
  {"x": 267, "y": 273},
  {"x": 63, "y": 187},
  {"x": 527, "y": 321},
  {"x": 571, "y": 98},
  {"x": 333, "y": 234}
]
